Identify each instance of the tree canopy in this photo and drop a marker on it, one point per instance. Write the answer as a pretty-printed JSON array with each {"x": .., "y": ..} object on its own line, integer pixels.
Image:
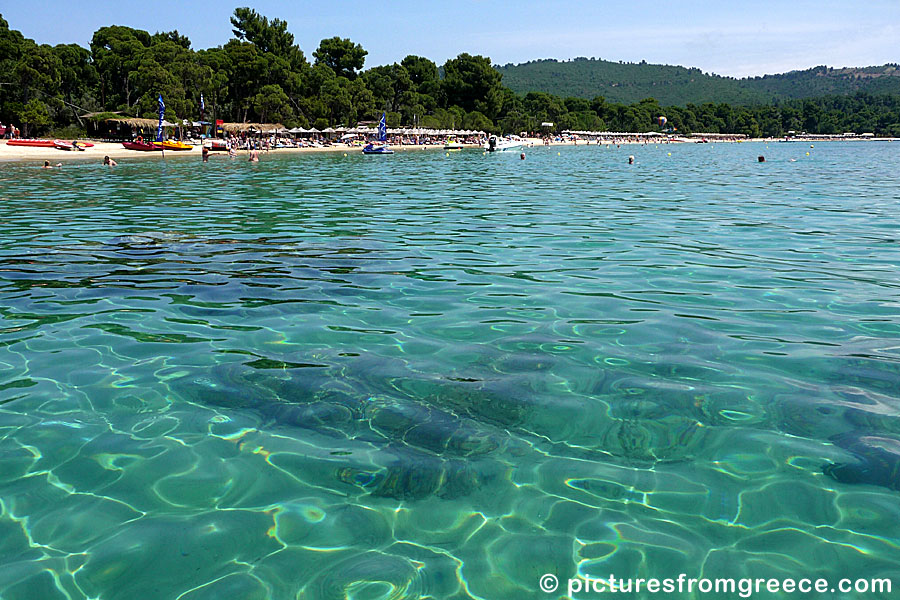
[
  {"x": 262, "y": 75},
  {"x": 341, "y": 55}
]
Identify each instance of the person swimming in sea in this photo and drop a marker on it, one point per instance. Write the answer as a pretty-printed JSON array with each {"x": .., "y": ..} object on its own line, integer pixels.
[
  {"x": 109, "y": 162},
  {"x": 254, "y": 155}
]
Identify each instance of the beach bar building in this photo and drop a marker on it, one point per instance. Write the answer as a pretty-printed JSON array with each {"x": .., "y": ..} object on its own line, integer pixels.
[{"x": 115, "y": 127}]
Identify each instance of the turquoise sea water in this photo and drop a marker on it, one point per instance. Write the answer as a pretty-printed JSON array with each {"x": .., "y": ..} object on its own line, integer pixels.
[{"x": 431, "y": 376}]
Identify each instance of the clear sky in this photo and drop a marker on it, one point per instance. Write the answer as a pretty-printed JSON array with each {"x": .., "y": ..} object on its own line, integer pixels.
[{"x": 724, "y": 36}]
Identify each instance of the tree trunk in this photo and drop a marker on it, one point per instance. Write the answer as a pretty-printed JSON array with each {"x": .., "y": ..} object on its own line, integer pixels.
[{"x": 75, "y": 112}]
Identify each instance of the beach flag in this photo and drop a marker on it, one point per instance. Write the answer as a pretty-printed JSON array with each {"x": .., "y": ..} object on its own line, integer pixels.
[
  {"x": 162, "y": 111},
  {"x": 382, "y": 129}
]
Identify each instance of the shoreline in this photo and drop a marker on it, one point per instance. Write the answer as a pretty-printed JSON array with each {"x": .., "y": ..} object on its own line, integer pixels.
[{"x": 115, "y": 150}]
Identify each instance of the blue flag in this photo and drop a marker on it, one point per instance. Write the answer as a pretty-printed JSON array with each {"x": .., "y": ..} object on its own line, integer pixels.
[
  {"x": 162, "y": 111},
  {"x": 382, "y": 129}
]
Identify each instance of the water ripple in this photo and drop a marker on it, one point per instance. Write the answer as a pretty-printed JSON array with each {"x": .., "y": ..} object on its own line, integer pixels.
[{"x": 444, "y": 376}]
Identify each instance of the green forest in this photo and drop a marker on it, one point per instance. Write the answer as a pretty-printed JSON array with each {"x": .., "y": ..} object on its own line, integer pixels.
[
  {"x": 261, "y": 75},
  {"x": 631, "y": 82}
]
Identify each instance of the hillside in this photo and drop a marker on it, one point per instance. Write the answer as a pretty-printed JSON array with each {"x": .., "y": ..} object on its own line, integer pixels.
[{"x": 631, "y": 82}]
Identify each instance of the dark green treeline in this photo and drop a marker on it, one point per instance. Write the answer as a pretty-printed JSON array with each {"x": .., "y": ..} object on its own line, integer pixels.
[{"x": 262, "y": 75}]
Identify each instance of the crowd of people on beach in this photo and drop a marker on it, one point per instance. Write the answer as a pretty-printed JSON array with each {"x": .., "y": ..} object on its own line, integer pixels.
[{"x": 272, "y": 142}]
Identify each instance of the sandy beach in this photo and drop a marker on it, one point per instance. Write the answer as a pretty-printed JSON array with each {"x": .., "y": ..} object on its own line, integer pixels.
[{"x": 117, "y": 151}]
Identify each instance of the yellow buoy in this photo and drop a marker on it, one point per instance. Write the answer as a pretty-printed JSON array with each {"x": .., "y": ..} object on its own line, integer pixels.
[
  {"x": 670, "y": 154},
  {"x": 448, "y": 154},
  {"x": 558, "y": 154},
  {"x": 807, "y": 153},
  {"x": 345, "y": 154}
]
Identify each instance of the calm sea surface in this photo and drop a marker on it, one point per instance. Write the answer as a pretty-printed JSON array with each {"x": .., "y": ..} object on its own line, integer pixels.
[{"x": 432, "y": 376}]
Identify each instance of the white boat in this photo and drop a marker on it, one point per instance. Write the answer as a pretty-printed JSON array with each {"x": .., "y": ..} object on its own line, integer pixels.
[
  {"x": 452, "y": 144},
  {"x": 497, "y": 144}
]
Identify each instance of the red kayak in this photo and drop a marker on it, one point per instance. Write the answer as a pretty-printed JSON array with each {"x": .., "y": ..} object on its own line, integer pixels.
[
  {"x": 32, "y": 143},
  {"x": 142, "y": 147}
]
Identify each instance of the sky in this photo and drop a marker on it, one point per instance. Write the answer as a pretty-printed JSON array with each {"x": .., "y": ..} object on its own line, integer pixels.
[{"x": 724, "y": 37}]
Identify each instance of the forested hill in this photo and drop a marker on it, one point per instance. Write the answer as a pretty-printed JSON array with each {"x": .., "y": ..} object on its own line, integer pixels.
[{"x": 631, "y": 82}]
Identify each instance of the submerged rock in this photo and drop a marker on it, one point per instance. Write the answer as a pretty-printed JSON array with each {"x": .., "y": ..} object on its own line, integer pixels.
[
  {"x": 412, "y": 475},
  {"x": 668, "y": 439},
  {"x": 419, "y": 450},
  {"x": 483, "y": 402},
  {"x": 877, "y": 460},
  {"x": 435, "y": 431}
]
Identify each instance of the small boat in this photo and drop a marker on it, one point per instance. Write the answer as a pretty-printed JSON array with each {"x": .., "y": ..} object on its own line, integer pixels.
[
  {"x": 382, "y": 147},
  {"x": 173, "y": 145},
  {"x": 141, "y": 146},
  {"x": 496, "y": 144},
  {"x": 73, "y": 145},
  {"x": 31, "y": 143},
  {"x": 373, "y": 149},
  {"x": 452, "y": 144}
]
